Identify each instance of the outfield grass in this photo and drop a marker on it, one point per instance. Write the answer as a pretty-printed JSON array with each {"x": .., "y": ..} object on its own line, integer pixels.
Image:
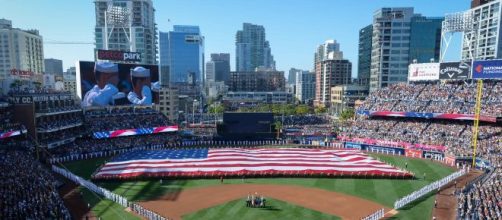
[
  {"x": 275, "y": 209},
  {"x": 384, "y": 191}
]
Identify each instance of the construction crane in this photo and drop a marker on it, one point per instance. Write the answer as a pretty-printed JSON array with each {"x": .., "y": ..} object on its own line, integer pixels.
[{"x": 67, "y": 42}]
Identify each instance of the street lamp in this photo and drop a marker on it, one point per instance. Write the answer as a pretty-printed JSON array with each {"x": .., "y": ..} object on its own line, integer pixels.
[{"x": 193, "y": 111}]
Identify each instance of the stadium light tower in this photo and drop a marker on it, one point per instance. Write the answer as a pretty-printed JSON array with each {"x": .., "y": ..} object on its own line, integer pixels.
[
  {"x": 460, "y": 22},
  {"x": 117, "y": 20}
]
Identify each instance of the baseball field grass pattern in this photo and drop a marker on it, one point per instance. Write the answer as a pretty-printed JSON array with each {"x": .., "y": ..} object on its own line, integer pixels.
[{"x": 379, "y": 190}]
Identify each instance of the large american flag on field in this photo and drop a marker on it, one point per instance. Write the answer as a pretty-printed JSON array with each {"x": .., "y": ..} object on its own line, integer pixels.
[{"x": 245, "y": 161}]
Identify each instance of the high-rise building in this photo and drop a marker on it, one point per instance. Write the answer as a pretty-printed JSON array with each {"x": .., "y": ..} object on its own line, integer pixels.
[
  {"x": 330, "y": 70},
  {"x": 364, "y": 61},
  {"x": 257, "y": 81},
  {"x": 305, "y": 86},
  {"x": 252, "y": 49},
  {"x": 476, "y": 3},
  {"x": 218, "y": 69},
  {"x": 20, "y": 50},
  {"x": 345, "y": 97},
  {"x": 182, "y": 51},
  {"x": 292, "y": 75},
  {"x": 390, "y": 51},
  {"x": 53, "y": 66},
  {"x": 71, "y": 71},
  {"x": 399, "y": 37},
  {"x": 168, "y": 103},
  {"x": 425, "y": 39},
  {"x": 329, "y": 50},
  {"x": 70, "y": 83},
  {"x": 486, "y": 42},
  {"x": 131, "y": 27}
]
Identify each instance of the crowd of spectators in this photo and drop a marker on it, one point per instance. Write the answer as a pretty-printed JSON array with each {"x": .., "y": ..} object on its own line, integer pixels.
[
  {"x": 295, "y": 126},
  {"x": 28, "y": 190},
  {"x": 6, "y": 122},
  {"x": 58, "y": 109},
  {"x": 122, "y": 111},
  {"x": 201, "y": 130},
  {"x": 47, "y": 138},
  {"x": 299, "y": 120},
  {"x": 124, "y": 118},
  {"x": 54, "y": 124},
  {"x": 484, "y": 200},
  {"x": 455, "y": 135},
  {"x": 89, "y": 145},
  {"x": 437, "y": 97}
]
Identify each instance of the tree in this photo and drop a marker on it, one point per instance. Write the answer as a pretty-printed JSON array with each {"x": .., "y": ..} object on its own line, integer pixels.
[
  {"x": 347, "y": 114},
  {"x": 216, "y": 109},
  {"x": 301, "y": 110},
  {"x": 38, "y": 85},
  {"x": 320, "y": 109},
  {"x": 278, "y": 127}
]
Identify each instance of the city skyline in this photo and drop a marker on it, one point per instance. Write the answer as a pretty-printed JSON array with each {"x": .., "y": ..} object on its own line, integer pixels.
[{"x": 293, "y": 38}]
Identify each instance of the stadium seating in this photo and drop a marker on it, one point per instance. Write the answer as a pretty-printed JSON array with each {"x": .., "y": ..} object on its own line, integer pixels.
[
  {"x": 88, "y": 145},
  {"x": 436, "y": 97},
  {"x": 6, "y": 122},
  {"x": 123, "y": 118},
  {"x": 484, "y": 200},
  {"x": 27, "y": 188}
]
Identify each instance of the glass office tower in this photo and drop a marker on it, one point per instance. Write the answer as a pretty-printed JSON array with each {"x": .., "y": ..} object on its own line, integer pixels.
[{"x": 181, "y": 53}]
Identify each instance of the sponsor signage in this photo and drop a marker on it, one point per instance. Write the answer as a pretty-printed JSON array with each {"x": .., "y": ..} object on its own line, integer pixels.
[
  {"x": 413, "y": 153},
  {"x": 382, "y": 149},
  {"x": 454, "y": 70},
  {"x": 42, "y": 98},
  {"x": 119, "y": 55},
  {"x": 21, "y": 73},
  {"x": 423, "y": 71},
  {"x": 432, "y": 154},
  {"x": 352, "y": 145},
  {"x": 487, "y": 69}
]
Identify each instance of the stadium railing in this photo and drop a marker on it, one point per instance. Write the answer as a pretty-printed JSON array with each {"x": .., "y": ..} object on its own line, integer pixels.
[
  {"x": 108, "y": 153},
  {"x": 99, "y": 154},
  {"x": 108, "y": 194},
  {"x": 379, "y": 214},
  {"x": 427, "y": 189}
]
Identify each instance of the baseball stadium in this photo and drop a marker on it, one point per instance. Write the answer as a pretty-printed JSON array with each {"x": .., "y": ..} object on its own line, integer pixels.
[
  {"x": 422, "y": 141},
  {"x": 392, "y": 159}
]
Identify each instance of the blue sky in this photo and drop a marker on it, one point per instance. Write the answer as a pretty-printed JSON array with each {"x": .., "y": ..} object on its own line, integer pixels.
[{"x": 293, "y": 27}]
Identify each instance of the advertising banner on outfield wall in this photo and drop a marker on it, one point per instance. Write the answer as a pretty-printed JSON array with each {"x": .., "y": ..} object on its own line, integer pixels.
[
  {"x": 382, "y": 149},
  {"x": 353, "y": 145},
  {"x": 413, "y": 153},
  {"x": 423, "y": 71},
  {"x": 487, "y": 69},
  {"x": 432, "y": 154},
  {"x": 454, "y": 70}
]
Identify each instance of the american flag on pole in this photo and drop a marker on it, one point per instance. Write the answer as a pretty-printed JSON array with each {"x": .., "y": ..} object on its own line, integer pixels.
[{"x": 241, "y": 161}]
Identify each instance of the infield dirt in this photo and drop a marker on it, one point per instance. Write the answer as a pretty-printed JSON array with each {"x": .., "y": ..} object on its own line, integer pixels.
[{"x": 191, "y": 200}]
